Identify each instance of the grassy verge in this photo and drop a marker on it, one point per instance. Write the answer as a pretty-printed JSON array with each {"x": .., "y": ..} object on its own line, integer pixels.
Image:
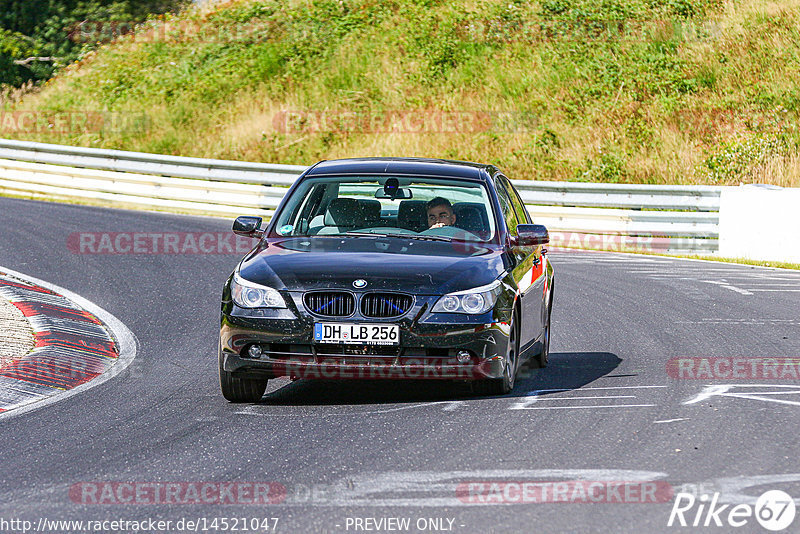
[
  {"x": 644, "y": 91},
  {"x": 701, "y": 257},
  {"x": 743, "y": 261}
]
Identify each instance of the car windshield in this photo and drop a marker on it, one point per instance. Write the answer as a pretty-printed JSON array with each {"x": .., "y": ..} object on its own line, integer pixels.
[{"x": 434, "y": 209}]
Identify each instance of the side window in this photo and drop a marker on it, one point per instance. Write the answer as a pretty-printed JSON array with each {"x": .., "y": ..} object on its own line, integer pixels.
[
  {"x": 519, "y": 207},
  {"x": 506, "y": 207}
]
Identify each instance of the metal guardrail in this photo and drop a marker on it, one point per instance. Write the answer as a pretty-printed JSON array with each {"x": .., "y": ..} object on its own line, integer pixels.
[
  {"x": 156, "y": 164},
  {"x": 688, "y": 215}
]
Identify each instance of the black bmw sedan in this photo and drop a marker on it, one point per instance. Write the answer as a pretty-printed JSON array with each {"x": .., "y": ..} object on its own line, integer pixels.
[{"x": 389, "y": 268}]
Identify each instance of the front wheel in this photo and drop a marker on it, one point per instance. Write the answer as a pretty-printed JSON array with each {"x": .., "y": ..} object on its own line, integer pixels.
[
  {"x": 504, "y": 385},
  {"x": 236, "y": 389}
]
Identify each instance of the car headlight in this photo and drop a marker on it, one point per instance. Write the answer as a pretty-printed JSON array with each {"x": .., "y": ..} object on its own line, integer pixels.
[
  {"x": 472, "y": 301},
  {"x": 251, "y": 295}
]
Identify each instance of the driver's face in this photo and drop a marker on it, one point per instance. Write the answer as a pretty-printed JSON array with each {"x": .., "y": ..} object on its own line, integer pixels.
[{"x": 439, "y": 216}]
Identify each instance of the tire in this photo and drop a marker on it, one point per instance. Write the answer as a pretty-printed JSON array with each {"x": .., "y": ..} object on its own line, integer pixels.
[
  {"x": 236, "y": 389},
  {"x": 544, "y": 356},
  {"x": 504, "y": 385},
  {"x": 540, "y": 360}
]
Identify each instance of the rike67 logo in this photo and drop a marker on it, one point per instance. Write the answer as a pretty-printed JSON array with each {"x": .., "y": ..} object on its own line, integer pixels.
[{"x": 774, "y": 510}]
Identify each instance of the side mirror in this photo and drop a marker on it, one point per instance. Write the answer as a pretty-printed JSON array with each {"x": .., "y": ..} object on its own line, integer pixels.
[
  {"x": 531, "y": 235},
  {"x": 248, "y": 226}
]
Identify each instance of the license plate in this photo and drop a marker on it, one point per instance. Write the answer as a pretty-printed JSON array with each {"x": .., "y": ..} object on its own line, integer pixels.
[{"x": 360, "y": 334}]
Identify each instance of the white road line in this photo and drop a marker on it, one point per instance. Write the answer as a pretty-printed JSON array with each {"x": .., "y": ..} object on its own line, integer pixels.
[
  {"x": 778, "y": 284},
  {"x": 543, "y": 398},
  {"x": 738, "y": 290},
  {"x": 726, "y": 286},
  {"x": 772, "y": 392},
  {"x": 743, "y": 322},
  {"x": 676, "y": 261},
  {"x": 724, "y": 390},
  {"x": 536, "y": 396},
  {"x": 621, "y": 261},
  {"x": 741, "y": 278},
  {"x": 252, "y": 410},
  {"x": 534, "y": 392},
  {"x": 779, "y": 290},
  {"x": 743, "y": 489},
  {"x": 761, "y": 276},
  {"x": 125, "y": 338},
  {"x": 671, "y": 420},
  {"x": 581, "y": 407},
  {"x": 759, "y": 397},
  {"x": 427, "y": 489},
  {"x": 760, "y": 320}
]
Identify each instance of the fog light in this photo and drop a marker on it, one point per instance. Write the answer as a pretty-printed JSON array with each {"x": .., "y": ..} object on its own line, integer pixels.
[
  {"x": 254, "y": 351},
  {"x": 463, "y": 356}
]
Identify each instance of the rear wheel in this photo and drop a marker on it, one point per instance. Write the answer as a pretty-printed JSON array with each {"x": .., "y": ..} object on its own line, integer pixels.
[
  {"x": 544, "y": 355},
  {"x": 501, "y": 386},
  {"x": 540, "y": 360},
  {"x": 236, "y": 389}
]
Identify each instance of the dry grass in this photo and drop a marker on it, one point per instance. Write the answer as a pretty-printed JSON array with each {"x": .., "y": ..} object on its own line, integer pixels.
[{"x": 643, "y": 128}]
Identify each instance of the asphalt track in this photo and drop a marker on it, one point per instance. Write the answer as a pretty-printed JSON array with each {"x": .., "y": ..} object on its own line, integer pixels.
[{"x": 605, "y": 409}]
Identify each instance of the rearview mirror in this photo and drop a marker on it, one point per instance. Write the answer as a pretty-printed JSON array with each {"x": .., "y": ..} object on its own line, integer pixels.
[
  {"x": 402, "y": 193},
  {"x": 529, "y": 235},
  {"x": 248, "y": 226}
]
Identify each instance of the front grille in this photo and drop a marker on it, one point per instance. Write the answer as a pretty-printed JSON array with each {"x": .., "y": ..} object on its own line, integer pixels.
[
  {"x": 330, "y": 303},
  {"x": 385, "y": 304}
]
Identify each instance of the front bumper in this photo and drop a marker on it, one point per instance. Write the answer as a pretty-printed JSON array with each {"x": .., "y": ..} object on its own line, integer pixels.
[{"x": 429, "y": 344}]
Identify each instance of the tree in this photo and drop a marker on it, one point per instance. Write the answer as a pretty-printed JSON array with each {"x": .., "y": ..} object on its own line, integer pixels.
[{"x": 45, "y": 30}]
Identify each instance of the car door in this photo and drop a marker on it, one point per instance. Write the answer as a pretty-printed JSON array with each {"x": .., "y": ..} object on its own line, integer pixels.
[{"x": 531, "y": 273}]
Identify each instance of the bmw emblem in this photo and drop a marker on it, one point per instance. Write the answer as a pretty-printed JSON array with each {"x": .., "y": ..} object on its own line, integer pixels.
[{"x": 358, "y": 284}]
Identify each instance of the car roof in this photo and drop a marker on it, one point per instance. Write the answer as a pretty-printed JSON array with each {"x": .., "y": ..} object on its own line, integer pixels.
[{"x": 400, "y": 166}]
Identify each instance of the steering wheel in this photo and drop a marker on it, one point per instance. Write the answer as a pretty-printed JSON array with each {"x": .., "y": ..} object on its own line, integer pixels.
[{"x": 452, "y": 231}]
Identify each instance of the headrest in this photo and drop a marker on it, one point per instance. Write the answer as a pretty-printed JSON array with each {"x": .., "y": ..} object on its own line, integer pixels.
[
  {"x": 371, "y": 210},
  {"x": 411, "y": 215},
  {"x": 471, "y": 216},
  {"x": 344, "y": 212}
]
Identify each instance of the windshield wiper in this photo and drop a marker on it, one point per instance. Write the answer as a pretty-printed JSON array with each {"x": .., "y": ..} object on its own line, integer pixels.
[
  {"x": 399, "y": 236},
  {"x": 364, "y": 234},
  {"x": 429, "y": 237}
]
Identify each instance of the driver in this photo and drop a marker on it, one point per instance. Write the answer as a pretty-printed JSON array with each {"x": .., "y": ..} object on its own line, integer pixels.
[{"x": 440, "y": 213}]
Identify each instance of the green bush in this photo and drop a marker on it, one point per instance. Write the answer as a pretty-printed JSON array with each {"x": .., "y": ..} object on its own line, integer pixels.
[{"x": 644, "y": 80}]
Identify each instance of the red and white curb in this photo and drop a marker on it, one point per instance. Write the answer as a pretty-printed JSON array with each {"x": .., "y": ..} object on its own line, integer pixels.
[{"x": 78, "y": 345}]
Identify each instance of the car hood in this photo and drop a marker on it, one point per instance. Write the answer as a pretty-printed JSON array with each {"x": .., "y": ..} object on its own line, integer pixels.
[{"x": 417, "y": 267}]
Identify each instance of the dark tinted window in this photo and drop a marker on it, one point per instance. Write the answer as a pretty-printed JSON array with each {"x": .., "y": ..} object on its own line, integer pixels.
[
  {"x": 516, "y": 202},
  {"x": 506, "y": 207}
]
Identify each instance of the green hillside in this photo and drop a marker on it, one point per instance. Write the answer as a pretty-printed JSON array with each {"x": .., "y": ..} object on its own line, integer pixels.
[{"x": 652, "y": 91}]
